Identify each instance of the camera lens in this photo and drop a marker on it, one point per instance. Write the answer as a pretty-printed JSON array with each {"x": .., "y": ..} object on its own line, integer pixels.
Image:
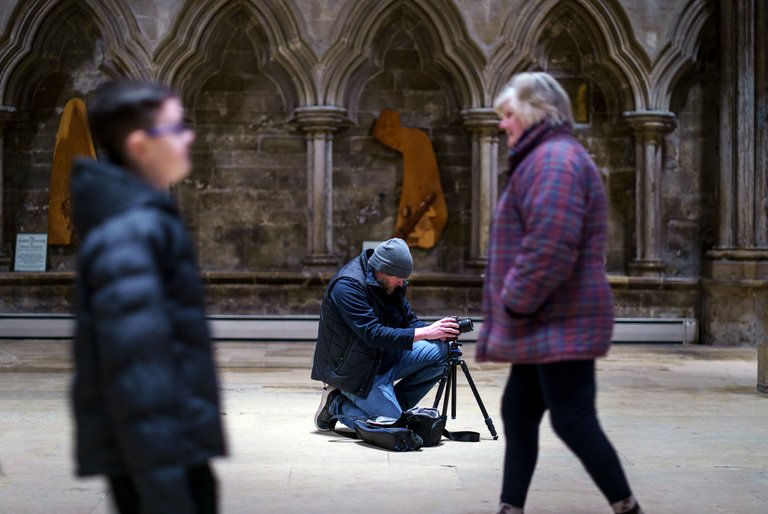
[{"x": 465, "y": 325}]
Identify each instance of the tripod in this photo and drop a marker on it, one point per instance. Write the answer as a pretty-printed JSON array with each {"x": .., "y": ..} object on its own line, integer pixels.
[{"x": 448, "y": 385}]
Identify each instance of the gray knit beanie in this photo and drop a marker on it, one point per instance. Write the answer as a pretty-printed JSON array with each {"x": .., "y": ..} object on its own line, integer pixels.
[{"x": 392, "y": 257}]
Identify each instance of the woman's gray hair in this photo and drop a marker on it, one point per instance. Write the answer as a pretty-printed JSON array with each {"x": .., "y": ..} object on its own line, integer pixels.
[{"x": 533, "y": 97}]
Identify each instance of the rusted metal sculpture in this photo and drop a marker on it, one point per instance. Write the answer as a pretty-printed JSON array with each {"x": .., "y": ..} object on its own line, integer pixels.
[
  {"x": 422, "y": 213},
  {"x": 73, "y": 139}
]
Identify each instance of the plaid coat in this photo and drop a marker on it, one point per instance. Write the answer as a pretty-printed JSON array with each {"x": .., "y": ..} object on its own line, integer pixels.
[{"x": 546, "y": 297}]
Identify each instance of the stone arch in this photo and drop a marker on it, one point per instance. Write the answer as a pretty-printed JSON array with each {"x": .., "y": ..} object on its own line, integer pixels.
[
  {"x": 690, "y": 195},
  {"x": 680, "y": 56},
  {"x": 405, "y": 57},
  {"x": 63, "y": 52},
  {"x": 619, "y": 59},
  {"x": 32, "y": 24},
  {"x": 353, "y": 59},
  {"x": 185, "y": 57},
  {"x": 586, "y": 44},
  {"x": 242, "y": 69}
]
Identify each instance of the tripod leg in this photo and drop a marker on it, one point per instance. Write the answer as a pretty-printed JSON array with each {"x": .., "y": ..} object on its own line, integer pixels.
[
  {"x": 441, "y": 386},
  {"x": 453, "y": 392},
  {"x": 487, "y": 418},
  {"x": 451, "y": 380}
]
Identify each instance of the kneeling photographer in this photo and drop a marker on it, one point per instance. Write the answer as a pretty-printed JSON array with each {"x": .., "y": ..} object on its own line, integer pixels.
[{"x": 369, "y": 338}]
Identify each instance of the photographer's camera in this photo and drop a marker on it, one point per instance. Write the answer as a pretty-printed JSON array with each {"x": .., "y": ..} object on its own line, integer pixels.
[{"x": 465, "y": 325}]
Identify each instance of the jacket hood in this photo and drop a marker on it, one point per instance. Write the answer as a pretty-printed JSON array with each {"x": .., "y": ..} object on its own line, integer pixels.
[{"x": 101, "y": 190}]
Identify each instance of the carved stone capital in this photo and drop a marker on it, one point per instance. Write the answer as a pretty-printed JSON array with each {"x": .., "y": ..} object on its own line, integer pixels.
[
  {"x": 320, "y": 118},
  {"x": 484, "y": 121},
  {"x": 651, "y": 124}
]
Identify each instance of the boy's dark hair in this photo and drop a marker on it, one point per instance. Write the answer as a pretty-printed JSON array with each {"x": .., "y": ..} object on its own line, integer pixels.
[{"x": 118, "y": 108}]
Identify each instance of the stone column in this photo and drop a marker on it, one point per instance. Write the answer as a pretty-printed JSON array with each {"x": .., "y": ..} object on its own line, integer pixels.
[
  {"x": 742, "y": 184},
  {"x": 650, "y": 128},
  {"x": 761, "y": 164},
  {"x": 484, "y": 125},
  {"x": 320, "y": 121},
  {"x": 735, "y": 300},
  {"x": 6, "y": 113}
]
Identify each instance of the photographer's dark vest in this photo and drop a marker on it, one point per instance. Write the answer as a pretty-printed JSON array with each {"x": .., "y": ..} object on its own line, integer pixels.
[{"x": 341, "y": 359}]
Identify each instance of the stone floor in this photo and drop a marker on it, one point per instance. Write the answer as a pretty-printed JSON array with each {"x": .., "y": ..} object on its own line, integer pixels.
[{"x": 691, "y": 431}]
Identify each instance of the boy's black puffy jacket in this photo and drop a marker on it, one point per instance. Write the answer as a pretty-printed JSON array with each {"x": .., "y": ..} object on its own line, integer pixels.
[{"x": 145, "y": 391}]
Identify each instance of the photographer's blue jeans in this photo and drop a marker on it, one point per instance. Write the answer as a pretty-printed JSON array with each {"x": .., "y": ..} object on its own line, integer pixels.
[{"x": 417, "y": 370}]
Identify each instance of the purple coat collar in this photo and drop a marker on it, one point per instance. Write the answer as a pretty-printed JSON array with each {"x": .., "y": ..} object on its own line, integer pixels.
[{"x": 531, "y": 138}]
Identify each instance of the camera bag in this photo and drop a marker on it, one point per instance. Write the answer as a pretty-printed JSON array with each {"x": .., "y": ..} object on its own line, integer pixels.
[
  {"x": 426, "y": 422},
  {"x": 393, "y": 438},
  {"x": 417, "y": 427}
]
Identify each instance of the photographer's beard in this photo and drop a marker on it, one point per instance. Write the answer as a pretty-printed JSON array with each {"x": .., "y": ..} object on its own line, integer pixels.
[{"x": 388, "y": 282}]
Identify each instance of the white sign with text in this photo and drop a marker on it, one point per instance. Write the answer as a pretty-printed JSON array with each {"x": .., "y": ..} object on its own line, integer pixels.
[{"x": 31, "y": 252}]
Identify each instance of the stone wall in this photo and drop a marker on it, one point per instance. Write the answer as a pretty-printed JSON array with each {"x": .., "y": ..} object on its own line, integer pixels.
[
  {"x": 689, "y": 200},
  {"x": 248, "y": 71},
  {"x": 66, "y": 65}
]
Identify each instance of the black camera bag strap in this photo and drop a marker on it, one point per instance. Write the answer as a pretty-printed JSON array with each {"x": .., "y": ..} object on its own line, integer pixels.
[
  {"x": 465, "y": 436},
  {"x": 430, "y": 425}
]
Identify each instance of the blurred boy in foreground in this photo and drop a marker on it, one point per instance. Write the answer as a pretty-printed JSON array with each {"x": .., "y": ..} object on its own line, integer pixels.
[{"x": 145, "y": 392}]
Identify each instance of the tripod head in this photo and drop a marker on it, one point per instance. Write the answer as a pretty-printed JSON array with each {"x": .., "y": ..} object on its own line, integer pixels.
[{"x": 454, "y": 350}]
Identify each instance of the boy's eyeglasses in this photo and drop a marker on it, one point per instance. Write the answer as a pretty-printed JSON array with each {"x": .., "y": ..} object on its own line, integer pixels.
[{"x": 165, "y": 130}]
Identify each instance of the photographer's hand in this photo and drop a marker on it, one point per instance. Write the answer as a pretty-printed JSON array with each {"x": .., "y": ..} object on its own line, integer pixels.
[{"x": 442, "y": 329}]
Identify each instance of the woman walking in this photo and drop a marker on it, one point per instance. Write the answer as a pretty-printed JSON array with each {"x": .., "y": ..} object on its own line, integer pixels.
[{"x": 547, "y": 305}]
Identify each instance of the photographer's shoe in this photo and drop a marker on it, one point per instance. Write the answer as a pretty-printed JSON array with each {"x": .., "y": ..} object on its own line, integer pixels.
[{"x": 323, "y": 419}]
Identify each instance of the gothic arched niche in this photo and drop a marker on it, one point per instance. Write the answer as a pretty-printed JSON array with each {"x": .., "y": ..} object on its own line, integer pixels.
[
  {"x": 33, "y": 23},
  {"x": 689, "y": 196},
  {"x": 572, "y": 48},
  {"x": 401, "y": 74},
  {"x": 66, "y": 60},
  {"x": 402, "y": 63},
  {"x": 241, "y": 196},
  {"x": 191, "y": 53},
  {"x": 442, "y": 36}
]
